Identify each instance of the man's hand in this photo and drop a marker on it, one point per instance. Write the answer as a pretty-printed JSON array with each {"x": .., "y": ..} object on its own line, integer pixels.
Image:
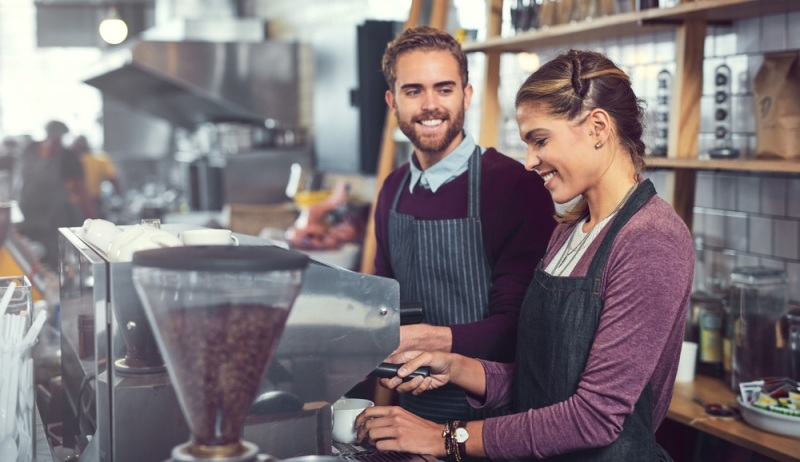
[
  {"x": 395, "y": 429},
  {"x": 424, "y": 337}
]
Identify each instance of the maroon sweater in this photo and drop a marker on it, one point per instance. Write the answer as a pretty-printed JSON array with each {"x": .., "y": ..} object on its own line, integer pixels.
[{"x": 516, "y": 220}]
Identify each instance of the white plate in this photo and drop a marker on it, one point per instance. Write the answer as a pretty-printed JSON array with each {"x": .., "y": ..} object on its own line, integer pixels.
[{"x": 772, "y": 422}]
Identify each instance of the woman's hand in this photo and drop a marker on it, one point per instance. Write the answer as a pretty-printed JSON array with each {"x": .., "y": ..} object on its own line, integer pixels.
[
  {"x": 394, "y": 429},
  {"x": 440, "y": 364}
]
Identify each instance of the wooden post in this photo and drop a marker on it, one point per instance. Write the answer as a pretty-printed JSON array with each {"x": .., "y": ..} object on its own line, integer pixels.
[
  {"x": 490, "y": 105},
  {"x": 684, "y": 124}
]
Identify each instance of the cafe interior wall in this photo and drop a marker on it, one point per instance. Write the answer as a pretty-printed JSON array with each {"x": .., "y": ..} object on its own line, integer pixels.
[
  {"x": 740, "y": 219},
  {"x": 330, "y": 27}
]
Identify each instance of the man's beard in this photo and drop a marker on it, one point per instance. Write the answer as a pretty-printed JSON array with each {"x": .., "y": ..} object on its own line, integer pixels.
[{"x": 427, "y": 144}]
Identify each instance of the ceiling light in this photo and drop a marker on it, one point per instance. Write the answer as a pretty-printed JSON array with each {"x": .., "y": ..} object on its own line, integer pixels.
[
  {"x": 529, "y": 62},
  {"x": 113, "y": 30}
]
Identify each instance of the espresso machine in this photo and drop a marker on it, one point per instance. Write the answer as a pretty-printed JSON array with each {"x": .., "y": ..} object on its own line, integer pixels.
[{"x": 120, "y": 404}]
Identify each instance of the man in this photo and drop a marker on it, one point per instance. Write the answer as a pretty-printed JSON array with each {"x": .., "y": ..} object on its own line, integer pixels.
[
  {"x": 460, "y": 227},
  {"x": 53, "y": 191}
]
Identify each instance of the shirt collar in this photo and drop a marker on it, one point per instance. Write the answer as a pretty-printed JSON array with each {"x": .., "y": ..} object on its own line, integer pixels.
[{"x": 444, "y": 171}]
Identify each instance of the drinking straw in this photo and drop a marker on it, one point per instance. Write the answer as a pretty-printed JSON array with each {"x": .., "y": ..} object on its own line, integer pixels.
[{"x": 7, "y": 297}]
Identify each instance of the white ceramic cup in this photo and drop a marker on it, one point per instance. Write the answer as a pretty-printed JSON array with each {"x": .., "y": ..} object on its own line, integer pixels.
[
  {"x": 687, "y": 362},
  {"x": 208, "y": 237},
  {"x": 100, "y": 233},
  {"x": 344, "y": 413}
]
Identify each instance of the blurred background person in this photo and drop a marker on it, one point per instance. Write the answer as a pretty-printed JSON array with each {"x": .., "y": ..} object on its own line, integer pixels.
[
  {"x": 9, "y": 156},
  {"x": 97, "y": 168},
  {"x": 53, "y": 193}
]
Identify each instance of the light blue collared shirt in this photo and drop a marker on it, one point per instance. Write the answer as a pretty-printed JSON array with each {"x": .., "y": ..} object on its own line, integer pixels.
[{"x": 447, "y": 169}]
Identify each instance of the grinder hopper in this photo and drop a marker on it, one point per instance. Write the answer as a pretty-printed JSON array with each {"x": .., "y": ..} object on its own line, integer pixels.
[{"x": 217, "y": 313}]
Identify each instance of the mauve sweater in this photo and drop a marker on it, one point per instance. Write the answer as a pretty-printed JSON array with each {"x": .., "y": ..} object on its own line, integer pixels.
[
  {"x": 516, "y": 221},
  {"x": 646, "y": 287}
]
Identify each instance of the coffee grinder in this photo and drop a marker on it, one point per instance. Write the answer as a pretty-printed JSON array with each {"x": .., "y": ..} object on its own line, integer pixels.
[{"x": 217, "y": 313}]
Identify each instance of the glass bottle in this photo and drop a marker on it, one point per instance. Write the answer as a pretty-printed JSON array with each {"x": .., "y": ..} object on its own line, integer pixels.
[
  {"x": 727, "y": 345},
  {"x": 707, "y": 307}
]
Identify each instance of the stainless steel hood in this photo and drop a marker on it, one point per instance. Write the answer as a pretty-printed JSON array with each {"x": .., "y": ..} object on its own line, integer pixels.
[{"x": 192, "y": 82}]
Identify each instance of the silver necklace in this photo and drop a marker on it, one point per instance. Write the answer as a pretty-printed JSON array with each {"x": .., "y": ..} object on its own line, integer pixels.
[{"x": 573, "y": 250}]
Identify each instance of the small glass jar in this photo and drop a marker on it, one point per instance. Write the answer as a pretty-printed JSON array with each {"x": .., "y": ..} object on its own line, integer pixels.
[{"x": 758, "y": 299}]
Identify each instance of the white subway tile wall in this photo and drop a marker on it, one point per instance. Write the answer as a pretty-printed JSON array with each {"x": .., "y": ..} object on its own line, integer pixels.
[
  {"x": 793, "y": 270},
  {"x": 748, "y": 193},
  {"x": 785, "y": 245},
  {"x": 760, "y": 235},
  {"x": 793, "y": 32},
  {"x": 704, "y": 190},
  {"x": 773, "y": 196},
  {"x": 736, "y": 231},
  {"x": 745, "y": 219},
  {"x": 770, "y": 263},
  {"x": 773, "y": 32},
  {"x": 793, "y": 196}
]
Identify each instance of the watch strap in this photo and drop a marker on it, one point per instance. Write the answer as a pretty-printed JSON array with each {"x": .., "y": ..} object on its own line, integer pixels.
[{"x": 462, "y": 447}]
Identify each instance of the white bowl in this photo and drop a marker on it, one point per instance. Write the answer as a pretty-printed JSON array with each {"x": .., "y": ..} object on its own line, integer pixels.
[
  {"x": 772, "y": 422},
  {"x": 139, "y": 237}
]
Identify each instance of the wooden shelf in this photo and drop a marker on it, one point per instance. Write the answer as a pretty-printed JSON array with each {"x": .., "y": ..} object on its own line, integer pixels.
[
  {"x": 748, "y": 165},
  {"x": 631, "y": 23},
  {"x": 684, "y": 410}
]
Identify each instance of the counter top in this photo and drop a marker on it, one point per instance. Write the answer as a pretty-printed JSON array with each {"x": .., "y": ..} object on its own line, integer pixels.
[{"x": 711, "y": 390}]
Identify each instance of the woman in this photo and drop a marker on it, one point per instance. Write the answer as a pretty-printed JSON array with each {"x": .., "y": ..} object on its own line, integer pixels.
[{"x": 602, "y": 322}]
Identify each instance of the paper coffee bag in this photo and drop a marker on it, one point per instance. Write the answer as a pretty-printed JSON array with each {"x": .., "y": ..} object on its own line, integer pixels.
[{"x": 776, "y": 90}]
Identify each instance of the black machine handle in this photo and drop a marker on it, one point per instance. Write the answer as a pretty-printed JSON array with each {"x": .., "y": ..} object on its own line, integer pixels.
[
  {"x": 389, "y": 370},
  {"x": 411, "y": 312}
]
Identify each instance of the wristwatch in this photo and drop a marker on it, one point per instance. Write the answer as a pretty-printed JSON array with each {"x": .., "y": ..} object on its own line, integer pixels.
[{"x": 462, "y": 435}]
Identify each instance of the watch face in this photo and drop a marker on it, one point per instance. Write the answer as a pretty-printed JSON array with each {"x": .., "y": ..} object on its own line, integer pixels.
[{"x": 461, "y": 435}]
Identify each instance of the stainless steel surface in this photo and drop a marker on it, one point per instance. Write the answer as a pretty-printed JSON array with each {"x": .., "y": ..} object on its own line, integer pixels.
[
  {"x": 131, "y": 326},
  {"x": 129, "y": 134},
  {"x": 292, "y": 434},
  {"x": 335, "y": 336},
  {"x": 194, "y": 82},
  {"x": 42, "y": 450},
  {"x": 84, "y": 289},
  {"x": 136, "y": 435},
  {"x": 336, "y": 123},
  {"x": 261, "y": 177}
]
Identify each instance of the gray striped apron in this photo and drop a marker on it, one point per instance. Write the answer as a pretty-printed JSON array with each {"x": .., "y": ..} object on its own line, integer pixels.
[{"x": 443, "y": 264}]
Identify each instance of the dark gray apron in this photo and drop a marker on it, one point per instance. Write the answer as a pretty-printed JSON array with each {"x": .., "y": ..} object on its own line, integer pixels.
[
  {"x": 557, "y": 325},
  {"x": 44, "y": 201},
  {"x": 443, "y": 264}
]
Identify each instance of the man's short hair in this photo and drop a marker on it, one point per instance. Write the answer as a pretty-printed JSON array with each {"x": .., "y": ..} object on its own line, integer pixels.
[{"x": 422, "y": 38}]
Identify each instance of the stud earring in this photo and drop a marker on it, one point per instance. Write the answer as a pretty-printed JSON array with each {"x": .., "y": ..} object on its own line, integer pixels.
[{"x": 597, "y": 146}]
